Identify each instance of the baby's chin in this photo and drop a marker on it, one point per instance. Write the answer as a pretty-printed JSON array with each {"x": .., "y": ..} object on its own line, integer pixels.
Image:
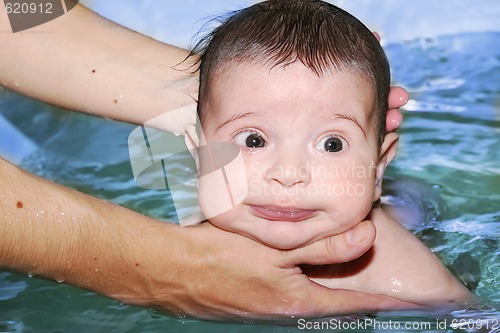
[
  {"x": 274, "y": 237},
  {"x": 279, "y": 243}
]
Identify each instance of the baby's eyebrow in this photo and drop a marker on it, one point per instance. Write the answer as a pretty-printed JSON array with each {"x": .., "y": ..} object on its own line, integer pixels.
[
  {"x": 233, "y": 118},
  {"x": 351, "y": 118}
]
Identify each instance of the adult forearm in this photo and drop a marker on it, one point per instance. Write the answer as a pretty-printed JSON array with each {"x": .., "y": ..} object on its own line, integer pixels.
[
  {"x": 50, "y": 231},
  {"x": 84, "y": 62}
]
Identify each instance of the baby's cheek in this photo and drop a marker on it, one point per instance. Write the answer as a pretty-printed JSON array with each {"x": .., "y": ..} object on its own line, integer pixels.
[
  {"x": 223, "y": 189},
  {"x": 357, "y": 200},
  {"x": 213, "y": 196},
  {"x": 227, "y": 221}
]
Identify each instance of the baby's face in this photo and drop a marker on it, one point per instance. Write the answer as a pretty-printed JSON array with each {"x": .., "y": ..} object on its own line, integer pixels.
[{"x": 309, "y": 148}]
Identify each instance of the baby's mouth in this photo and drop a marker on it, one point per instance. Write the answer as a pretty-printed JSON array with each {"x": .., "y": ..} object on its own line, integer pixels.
[{"x": 286, "y": 214}]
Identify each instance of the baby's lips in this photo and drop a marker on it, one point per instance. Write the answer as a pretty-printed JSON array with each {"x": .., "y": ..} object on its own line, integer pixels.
[{"x": 284, "y": 214}]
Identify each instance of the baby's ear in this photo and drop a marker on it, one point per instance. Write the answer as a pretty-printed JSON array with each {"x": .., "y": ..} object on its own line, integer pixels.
[{"x": 387, "y": 153}]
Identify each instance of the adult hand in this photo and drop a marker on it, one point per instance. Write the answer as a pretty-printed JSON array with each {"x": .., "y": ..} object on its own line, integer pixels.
[
  {"x": 398, "y": 97},
  {"x": 220, "y": 275}
]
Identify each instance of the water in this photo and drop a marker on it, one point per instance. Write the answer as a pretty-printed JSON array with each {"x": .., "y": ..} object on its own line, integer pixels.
[{"x": 448, "y": 151}]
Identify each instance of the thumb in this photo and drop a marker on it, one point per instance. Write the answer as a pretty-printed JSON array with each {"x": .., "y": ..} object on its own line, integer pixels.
[{"x": 335, "y": 249}]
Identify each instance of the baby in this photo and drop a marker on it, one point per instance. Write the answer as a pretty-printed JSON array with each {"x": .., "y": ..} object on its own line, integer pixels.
[{"x": 301, "y": 88}]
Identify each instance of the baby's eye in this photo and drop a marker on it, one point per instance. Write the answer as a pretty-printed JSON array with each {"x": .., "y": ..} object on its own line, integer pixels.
[
  {"x": 332, "y": 144},
  {"x": 249, "y": 139}
]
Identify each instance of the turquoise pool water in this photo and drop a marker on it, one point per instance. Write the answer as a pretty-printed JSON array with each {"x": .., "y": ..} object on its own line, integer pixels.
[{"x": 448, "y": 151}]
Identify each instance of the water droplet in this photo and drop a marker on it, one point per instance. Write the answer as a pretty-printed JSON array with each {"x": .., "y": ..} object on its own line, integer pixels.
[
  {"x": 59, "y": 280},
  {"x": 30, "y": 274},
  {"x": 96, "y": 269},
  {"x": 16, "y": 84}
]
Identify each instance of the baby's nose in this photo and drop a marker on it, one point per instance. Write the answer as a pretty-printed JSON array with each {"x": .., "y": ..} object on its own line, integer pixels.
[{"x": 289, "y": 171}]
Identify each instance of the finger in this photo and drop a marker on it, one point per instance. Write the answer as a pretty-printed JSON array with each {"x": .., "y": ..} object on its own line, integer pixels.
[
  {"x": 329, "y": 302},
  {"x": 335, "y": 249},
  {"x": 393, "y": 120},
  {"x": 398, "y": 97}
]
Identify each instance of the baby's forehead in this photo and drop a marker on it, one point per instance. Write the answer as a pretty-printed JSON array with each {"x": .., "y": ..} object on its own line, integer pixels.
[
  {"x": 260, "y": 68},
  {"x": 247, "y": 82}
]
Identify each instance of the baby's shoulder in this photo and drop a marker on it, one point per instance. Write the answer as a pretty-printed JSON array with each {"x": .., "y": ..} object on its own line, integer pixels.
[
  {"x": 386, "y": 225},
  {"x": 408, "y": 267}
]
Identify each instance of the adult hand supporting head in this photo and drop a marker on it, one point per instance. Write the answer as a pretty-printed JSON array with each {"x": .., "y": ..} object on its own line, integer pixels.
[{"x": 398, "y": 97}]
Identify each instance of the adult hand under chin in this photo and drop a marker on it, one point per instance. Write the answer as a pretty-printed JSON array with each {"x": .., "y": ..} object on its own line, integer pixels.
[{"x": 276, "y": 289}]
